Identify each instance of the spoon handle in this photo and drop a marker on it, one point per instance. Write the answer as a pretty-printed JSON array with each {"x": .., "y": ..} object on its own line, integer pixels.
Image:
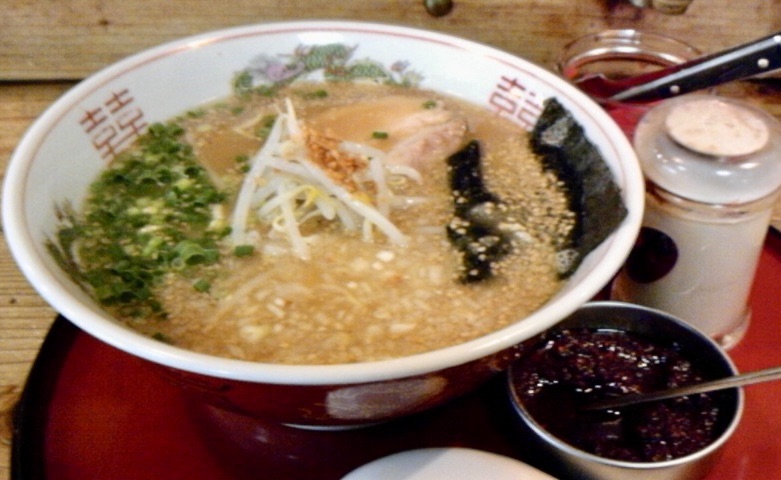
[
  {"x": 740, "y": 380},
  {"x": 743, "y": 61}
]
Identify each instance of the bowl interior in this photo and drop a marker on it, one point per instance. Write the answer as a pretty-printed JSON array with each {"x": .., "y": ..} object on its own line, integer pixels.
[{"x": 76, "y": 137}]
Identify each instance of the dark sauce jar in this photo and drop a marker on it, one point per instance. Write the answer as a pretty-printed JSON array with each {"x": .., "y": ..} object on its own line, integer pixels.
[{"x": 609, "y": 349}]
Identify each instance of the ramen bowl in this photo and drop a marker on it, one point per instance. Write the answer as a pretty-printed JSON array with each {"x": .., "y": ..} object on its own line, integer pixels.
[
  {"x": 66, "y": 148},
  {"x": 662, "y": 439}
]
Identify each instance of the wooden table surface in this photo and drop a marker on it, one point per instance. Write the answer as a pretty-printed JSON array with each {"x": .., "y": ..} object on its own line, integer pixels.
[{"x": 46, "y": 47}]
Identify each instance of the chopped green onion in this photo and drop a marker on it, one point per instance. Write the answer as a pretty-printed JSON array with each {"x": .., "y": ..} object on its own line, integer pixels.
[
  {"x": 150, "y": 214},
  {"x": 202, "y": 285},
  {"x": 161, "y": 337},
  {"x": 242, "y": 163},
  {"x": 265, "y": 126},
  {"x": 244, "y": 250},
  {"x": 196, "y": 113},
  {"x": 316, "y": 94},
  {"x": 379, "y": 135}
]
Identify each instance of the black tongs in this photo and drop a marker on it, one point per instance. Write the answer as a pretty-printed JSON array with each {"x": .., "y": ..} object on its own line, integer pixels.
[{"x": 747, "y": 60}]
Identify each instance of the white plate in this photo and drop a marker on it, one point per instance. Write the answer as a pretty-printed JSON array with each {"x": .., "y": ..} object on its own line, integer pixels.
[{"x": 446, "y": 463}]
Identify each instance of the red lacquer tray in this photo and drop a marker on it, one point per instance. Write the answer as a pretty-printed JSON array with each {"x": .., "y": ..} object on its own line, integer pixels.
[{"x": 90, "y": 411}]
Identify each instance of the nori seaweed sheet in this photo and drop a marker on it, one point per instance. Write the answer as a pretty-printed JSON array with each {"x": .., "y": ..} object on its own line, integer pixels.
[
  {"x": 563, "y": 148},
  {"x": 480, "y": 241}
]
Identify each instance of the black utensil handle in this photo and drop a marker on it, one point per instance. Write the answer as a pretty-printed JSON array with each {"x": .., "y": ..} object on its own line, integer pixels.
[{"x": 744, "y": 61}]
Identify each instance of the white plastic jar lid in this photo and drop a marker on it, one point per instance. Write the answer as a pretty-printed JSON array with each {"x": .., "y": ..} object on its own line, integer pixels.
[{"x": 711, "y": 149}]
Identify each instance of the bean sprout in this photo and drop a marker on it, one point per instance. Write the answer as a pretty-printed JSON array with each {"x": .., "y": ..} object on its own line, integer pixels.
[{"x": 285, "y": 187}]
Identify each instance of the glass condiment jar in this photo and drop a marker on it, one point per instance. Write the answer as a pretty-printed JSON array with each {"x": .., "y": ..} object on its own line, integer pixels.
[
  {"x": 619, "y": 54},
  {"x": 713, "y": 174}
]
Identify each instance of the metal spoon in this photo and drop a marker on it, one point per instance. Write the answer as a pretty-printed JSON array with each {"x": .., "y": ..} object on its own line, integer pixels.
[
  {"x": 741, "y": 380},
  {"x": 759, "y": 56}
]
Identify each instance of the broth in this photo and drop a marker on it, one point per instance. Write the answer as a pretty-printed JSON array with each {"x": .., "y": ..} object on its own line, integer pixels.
[{"x": 358, "y": 295}]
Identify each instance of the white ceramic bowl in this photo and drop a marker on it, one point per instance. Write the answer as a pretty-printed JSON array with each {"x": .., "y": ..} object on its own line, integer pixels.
[{"x": 72, "y": 141}]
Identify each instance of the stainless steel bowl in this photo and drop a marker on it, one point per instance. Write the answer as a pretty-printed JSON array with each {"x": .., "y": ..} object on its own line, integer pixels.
[{"x": 565, "y": 461}]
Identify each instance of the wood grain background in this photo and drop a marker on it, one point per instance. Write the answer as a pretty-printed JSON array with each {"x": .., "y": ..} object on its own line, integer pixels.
[{"x": 67, "y": 40}]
